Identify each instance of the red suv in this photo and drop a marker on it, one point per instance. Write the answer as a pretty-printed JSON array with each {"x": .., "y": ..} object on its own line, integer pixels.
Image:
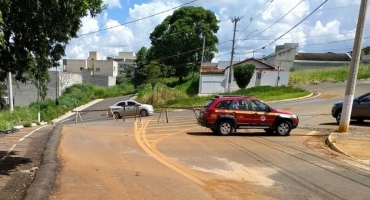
[{"x": 224, "y": 114}]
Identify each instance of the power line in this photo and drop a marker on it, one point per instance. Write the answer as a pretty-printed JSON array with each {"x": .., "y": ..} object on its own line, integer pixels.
[
  {"x": 308, "y": 36},
  {"x": 262, "y": 11},
  {"x": 278, "y": 19},
  {"x": 139, "y": 19},
  {"x": 270, "y": 25},
  {"x": 294, "y": 25}
]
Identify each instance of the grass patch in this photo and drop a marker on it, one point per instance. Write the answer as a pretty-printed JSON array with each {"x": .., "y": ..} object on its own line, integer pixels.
[
  {"x": 71, "y": 98},
  {"x": 164, "y": 96},
  {"x": 317, "y": 76}
]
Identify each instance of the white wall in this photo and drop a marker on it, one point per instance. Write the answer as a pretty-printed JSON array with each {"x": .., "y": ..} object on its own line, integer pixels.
[
  {"x": 217, "y": 83},
  {"x": 283, "y": 58},
  {"x": 212, "y": 83},
  {"x": 25, "y": 93},
  {"x": 271, "y": 78}
]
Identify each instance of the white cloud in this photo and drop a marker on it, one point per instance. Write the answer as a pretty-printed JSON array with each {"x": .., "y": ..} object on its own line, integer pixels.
[
  {"x": 113, "y": 3},
  {"x": 336, "y": 20}
]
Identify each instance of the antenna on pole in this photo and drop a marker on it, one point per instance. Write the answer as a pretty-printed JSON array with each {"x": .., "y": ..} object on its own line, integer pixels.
[{"x": 201, "y": 63}]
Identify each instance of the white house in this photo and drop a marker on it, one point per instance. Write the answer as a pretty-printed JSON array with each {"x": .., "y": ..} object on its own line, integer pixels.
[{"x": 214, "y": 79}]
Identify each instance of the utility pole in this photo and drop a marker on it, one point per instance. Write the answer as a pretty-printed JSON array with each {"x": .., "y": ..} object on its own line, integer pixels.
[
  {"x": 10, "y": 93},
  {"x": 352, "y": 75},
  {"x": 38, "y": 101},
  {"x": 201, "y": 63},
  {"x": 235, "y": 21}
]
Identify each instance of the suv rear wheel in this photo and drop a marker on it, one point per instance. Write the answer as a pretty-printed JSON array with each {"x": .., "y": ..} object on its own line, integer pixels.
[
  {"x": 225, "y": 127},
  {"x": 283, "y": 128}
]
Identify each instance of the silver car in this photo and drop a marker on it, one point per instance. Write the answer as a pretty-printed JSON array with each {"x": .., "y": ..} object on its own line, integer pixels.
[{"x": 130, "y": 108}]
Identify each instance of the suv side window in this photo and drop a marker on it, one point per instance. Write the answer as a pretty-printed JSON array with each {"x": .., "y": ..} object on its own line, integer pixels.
[
  {"x": 240, "y": 105},
  {"x": 223, "y": 104},
  {"x": 258, "y": 106}
]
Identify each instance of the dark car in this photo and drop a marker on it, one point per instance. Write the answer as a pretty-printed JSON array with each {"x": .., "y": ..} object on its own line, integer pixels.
[
  {"x": 360, "y": 109},
  {"x": 224, "y": 114}
]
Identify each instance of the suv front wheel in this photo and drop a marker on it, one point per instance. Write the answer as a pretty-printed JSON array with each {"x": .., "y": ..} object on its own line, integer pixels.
[
  {"x": 225, "y": 127},
  {"x": 283, "y": 128}
]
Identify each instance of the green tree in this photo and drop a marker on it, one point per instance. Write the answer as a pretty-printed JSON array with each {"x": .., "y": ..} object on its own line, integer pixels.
[
  {"x": 243, "y": 74},
  {"x": 178, "y": 40},
  {"x": 152, "y": 72},
  {"x": 2, "y": 42},
  {"x": 2, "y": 94},
  {"x": 367, "y": 50},
  {"x": 141, "y": 61},
  {"x": 36, "y": 34}
]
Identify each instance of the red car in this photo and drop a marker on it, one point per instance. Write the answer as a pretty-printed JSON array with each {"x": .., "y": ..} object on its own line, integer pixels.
[{"x": 224, "y": 114}]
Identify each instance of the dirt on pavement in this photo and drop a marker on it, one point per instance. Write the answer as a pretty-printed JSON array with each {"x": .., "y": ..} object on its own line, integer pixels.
[{"x": 105, "y": 162}]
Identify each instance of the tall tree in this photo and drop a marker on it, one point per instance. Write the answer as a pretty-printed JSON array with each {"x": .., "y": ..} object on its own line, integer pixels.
[
  {"x": 141, "y": 61},
  {"x": 1, "y": 31},
  {"x": 178, "y": 40},
  {"x": 37, "y": 32}
]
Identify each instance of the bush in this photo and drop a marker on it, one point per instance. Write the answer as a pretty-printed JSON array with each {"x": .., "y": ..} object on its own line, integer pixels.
[{"x": 243, "y": 74}]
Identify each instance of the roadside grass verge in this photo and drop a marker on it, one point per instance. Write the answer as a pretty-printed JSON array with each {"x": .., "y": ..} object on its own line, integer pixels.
[
  {"x": 72, "y": 97},
  {"x": 317, "y": 76},
  {"x": 167, "y": 97}
]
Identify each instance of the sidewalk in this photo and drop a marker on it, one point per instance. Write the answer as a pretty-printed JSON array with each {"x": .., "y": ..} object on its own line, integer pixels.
[{"x": 355, "y": 145}]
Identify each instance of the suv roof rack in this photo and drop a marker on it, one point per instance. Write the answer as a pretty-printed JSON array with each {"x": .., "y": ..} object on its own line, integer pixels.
[{"x": 221, "y": 95}]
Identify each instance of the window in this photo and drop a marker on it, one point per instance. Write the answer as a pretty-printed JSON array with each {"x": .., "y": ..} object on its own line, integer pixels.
[
  {"x": 258, "y": 106},
  {"x": 130, "y": 103},
  {"x": 97, "y": 69},
  {"x": 238, "y": 104},
  {"x": 81, "y": 68},
  {"x": 121, "y": 104},
  {"x": 223, "y": 104}
]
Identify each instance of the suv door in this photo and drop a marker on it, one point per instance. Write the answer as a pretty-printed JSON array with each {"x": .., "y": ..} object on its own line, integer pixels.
[
  {"x": 261, "y": 114},
  {"x": 361, "y": 107},
  {"x": 239, "y": 109}
]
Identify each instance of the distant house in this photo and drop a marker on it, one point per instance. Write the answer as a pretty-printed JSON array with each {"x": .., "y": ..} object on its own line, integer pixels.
[
  {"x": 214, "y": 79},
  {"x": 93, "y": 70},
  {"x": 287, "y": 57},
  {"x": 125, "y": 60},
  {"x": 283, "y": 56}
]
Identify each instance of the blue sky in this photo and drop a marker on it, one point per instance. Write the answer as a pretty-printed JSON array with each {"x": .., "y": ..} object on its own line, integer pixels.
[{"x": 330, "y": 29}]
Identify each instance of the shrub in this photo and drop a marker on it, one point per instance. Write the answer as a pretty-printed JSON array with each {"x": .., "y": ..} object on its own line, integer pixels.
[{"x": 243, "y": 74}]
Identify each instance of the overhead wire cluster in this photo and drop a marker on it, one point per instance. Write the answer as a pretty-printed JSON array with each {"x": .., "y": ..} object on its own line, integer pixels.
[{"x": 255, "y": 16}]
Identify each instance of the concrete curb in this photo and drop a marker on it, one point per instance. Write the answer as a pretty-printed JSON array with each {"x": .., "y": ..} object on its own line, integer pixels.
[
  {"x": 32, "y": 125},
  {"x": 43, "y": 182},
  {"x": 330, "y": 141},
  {"x": 299, "y": 98},
  {"x": 70, "y": 113}
]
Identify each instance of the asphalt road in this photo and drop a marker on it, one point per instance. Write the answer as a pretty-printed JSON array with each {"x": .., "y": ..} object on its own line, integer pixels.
[
  {"x": 104, "y": 159},
  {"x": 184, "y": 157}
]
